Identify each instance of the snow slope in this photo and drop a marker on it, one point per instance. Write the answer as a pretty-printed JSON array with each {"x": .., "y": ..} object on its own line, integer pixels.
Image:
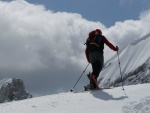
[
  {"x": 131, "y": 57},
  {"x": 137, "y": 99}
]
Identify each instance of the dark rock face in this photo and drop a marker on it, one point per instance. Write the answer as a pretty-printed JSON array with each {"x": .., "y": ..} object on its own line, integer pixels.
[
  {"x": 140, "y": 75},
  {"x": 12, "y": 89}
]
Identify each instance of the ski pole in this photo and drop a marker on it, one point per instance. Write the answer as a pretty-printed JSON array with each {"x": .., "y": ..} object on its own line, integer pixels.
[
  {"x": 120, "y": 70},
  {"x": 79, "y": 78}
]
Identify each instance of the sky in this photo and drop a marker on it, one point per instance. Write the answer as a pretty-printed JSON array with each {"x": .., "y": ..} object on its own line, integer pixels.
[
  {"x": 42, "y": 42},
  {"x": 105, "y": 11}
]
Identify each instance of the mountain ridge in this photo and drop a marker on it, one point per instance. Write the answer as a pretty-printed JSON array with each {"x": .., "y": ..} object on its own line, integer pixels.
[{"x": 132, "y": 56}]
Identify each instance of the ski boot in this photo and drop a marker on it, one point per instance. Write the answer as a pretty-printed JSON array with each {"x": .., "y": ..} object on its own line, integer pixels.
[
  {"x": 94, "y": 82},
  {"x": 88, "y": 87},
  {"x": 92, "y": 79}
]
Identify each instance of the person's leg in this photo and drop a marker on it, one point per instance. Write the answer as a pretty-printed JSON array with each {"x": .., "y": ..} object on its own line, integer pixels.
[{"x": 96, "y": 67}]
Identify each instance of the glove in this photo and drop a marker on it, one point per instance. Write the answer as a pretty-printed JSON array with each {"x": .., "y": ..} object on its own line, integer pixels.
[{"x": 117, "y": 48}]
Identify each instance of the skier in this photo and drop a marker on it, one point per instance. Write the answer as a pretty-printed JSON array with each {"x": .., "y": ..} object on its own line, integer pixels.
[{"x": 94, "y": 54}]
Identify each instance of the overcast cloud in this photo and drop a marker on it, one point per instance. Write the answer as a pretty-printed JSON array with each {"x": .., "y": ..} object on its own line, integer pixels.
[{"x": 46, "y": 48}]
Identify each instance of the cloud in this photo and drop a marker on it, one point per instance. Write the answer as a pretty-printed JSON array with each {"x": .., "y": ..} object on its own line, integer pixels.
[
  {"x": 38, "y": 37},
  {"x": 46, "y": 49},
  {"x": 124, "y": 33}
]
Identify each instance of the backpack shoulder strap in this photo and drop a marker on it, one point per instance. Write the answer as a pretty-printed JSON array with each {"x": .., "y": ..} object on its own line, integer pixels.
[{"x": 99, "y": 39}]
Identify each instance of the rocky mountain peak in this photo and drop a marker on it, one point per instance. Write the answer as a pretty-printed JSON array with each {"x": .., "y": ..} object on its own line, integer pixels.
[{"x": 12, "y": 89}]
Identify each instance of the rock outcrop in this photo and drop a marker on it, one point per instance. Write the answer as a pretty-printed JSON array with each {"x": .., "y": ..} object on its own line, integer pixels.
[{"x": 12, "y": 89}]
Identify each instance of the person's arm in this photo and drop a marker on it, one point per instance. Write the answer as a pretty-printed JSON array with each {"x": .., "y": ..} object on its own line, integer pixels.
[
  {"x": 87, "y": 55},
  {"x": 110, "y": 45}
]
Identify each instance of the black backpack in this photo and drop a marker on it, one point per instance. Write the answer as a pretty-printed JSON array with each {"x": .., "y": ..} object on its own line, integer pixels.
[{"x": 95, "y": 42}]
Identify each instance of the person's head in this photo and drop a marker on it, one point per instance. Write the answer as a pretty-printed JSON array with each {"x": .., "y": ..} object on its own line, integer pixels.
[{"x": 98, "y": 32}]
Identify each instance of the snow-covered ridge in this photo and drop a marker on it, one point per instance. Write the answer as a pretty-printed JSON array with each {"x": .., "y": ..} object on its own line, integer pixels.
[
  {"x": 143, "y": 38},
  {"x": 132, "y": 57}
]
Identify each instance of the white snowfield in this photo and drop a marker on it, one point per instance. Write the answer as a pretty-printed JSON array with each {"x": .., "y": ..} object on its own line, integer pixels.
[{"x": 136, "y": 100}]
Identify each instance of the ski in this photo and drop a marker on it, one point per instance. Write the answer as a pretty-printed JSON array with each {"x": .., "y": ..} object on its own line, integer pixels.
[{"x": 97, "y": 89}]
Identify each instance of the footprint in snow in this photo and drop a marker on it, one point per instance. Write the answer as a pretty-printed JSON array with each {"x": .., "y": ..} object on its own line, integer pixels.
[{"x": 143, "y": 106}]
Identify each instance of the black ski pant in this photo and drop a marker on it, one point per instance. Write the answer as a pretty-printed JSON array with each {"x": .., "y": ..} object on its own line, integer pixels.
[{"x": 96, "y": 67}]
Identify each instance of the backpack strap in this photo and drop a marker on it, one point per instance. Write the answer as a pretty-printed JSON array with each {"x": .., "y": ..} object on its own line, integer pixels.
[{"x": 100, "y": 38}]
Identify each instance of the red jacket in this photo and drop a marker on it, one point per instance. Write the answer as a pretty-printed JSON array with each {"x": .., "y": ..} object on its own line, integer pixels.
[{"x": 111, "y": 46}]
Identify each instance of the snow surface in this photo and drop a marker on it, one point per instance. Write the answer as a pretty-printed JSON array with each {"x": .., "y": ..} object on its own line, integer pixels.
[
  {"x": 135, "y": 99},
  {"x": 131, "y": 57}
]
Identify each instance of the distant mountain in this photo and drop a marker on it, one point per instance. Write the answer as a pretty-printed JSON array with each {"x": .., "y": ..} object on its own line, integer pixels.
[
  {"x": 12, "y": 89},
  {"x": 135, "y": 65}
]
